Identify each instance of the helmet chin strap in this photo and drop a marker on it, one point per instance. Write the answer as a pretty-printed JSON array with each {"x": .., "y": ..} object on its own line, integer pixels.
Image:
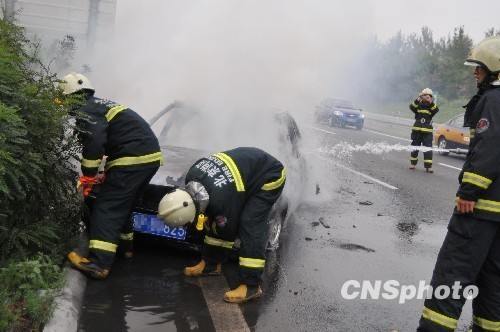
[{"x": 201, "y": 199}]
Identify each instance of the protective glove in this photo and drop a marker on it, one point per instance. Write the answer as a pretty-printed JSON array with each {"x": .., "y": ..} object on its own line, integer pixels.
[{"x": 85, "y": 184}]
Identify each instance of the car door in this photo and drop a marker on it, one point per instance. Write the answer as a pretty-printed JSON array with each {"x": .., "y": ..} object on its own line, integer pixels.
[{"x": 457, "y": 133}]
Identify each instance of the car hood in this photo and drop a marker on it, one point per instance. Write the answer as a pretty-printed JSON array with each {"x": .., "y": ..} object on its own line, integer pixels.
[
  {"x": 177, "y": 161},
  {"x": 348, "y": 111}
]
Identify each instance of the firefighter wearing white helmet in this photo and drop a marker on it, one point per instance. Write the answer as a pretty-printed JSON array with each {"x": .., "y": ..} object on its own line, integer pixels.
[
  {"x": 424, "y": 109},
  {"x": 229, "y": 195},
  {"x": 470, "y": 253},
  {"x": 177, "y": 208},
  {"x": 74, "y": 82},
  {"x": 133, "y": 157}
]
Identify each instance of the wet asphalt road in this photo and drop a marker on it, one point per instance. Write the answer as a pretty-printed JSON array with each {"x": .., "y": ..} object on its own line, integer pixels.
[{"x": 368, "y": 231}]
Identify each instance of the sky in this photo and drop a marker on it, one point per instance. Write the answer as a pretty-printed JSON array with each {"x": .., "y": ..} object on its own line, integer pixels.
[{"x": 441, "y": 16}]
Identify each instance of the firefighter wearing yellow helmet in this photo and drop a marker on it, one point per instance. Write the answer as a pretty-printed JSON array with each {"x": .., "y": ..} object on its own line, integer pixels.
[
  {"x": 229, "y": 195},
  {"x": 470, "y": 254},
  {"x": 424, "y": 109},
  {"x": 133, "y": 157}
]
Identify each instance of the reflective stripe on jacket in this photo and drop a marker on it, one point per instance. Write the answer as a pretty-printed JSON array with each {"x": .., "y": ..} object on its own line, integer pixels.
[
  {"x": 479, "y": 177},
  {"x": 423, "y": 116},
  {"x": 118, "y": 132}
]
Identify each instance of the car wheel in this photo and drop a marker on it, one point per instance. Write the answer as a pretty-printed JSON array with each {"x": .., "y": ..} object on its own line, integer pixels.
[
  {"x": 275, "y": 227},
  {"x": 443, "y": 144},
  {"x": 359, "y": 127}
]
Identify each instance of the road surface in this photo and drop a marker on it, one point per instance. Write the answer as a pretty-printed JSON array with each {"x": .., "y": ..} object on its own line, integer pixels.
[{"x": 372, "y": 219}]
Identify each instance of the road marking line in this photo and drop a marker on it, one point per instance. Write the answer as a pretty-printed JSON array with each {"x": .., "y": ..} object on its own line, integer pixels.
[
  {"x": 226, "y": 317},
  {"x": 387, "y": 135},
  {"x": 382, "y": 183},
  {"x": 323, "y": 130},
  {"x": 445, "y": 165}
]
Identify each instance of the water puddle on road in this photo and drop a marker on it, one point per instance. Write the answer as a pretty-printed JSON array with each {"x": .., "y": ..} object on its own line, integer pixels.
[{"x": 146, "y": 293}]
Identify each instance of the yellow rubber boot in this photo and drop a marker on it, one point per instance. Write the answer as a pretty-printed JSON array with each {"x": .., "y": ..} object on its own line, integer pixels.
[
  {"x": 202, "y": 269},
  {"x": 243, "y": 293},
  {"x": 195, "y": 271},
  {"x": 87, "y": 266}
]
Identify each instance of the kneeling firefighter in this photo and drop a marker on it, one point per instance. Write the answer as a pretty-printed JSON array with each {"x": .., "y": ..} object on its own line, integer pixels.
[
  {"x": 133, "y": 157},
  {"x": 470, "y": 254},
  {"x": 230, "y": 194}
]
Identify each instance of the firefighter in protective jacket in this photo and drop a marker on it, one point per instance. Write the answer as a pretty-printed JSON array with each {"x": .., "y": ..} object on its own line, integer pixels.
[
  {"x": 421, "y": 133},
  {"x": 133, "y": 157},
  {"x": 229, "y": 194},
  {"x": 470, "y": 254}
]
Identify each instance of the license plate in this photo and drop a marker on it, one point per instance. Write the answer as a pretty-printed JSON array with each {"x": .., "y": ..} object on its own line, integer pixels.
[
  {"x": 352, "y": 120},
  {"x": 151, "y": 224}
]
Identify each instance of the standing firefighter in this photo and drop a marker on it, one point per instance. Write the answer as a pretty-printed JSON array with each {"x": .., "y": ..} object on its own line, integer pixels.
[
  {"x": 133, "y": 157},
  {"x": 470, "y": 253},
  {"x": 421, "y": 133},
  {"x": 230, "y": 194}
]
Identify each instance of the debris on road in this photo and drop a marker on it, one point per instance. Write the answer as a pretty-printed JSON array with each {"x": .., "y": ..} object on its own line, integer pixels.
[
  {"x": 367, "y": 182},
  {"x": 307, "y": 238},
  {"x": 353, "y": 246},
  {"x": 380, "y": 214},
  {"x": 346, "y": 190},
  {"x": 365, "y": 203},
  {"x": 317, "y": 189},
  {"x": 427, "y": 221},
  {"x": 323, "y": 222},
  {"x": 315, "y": 223}
]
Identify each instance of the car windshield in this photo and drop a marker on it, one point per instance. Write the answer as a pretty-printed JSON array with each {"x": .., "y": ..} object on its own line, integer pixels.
[
  {"x": 342, "y": 104},
  {"x": 457, "y": 121}
]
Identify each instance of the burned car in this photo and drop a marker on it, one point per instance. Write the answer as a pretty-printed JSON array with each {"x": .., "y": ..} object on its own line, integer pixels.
[{"x": 172, "y": 175}]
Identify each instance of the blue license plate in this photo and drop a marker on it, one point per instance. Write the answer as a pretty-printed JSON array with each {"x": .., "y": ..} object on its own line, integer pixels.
[{"x": 151, "y": 224}]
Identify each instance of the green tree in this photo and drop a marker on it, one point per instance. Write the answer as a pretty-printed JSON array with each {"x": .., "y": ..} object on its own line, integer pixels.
[{"x": 39, "y": 206}]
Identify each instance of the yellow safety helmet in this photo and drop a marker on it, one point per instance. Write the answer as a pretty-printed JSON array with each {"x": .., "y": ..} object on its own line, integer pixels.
[
  {"x": 177, "y": 208},
  {"x": 486, "y": 54},
  {"x": 426, "y": 91},
  {"x": 74, "y": 82}
]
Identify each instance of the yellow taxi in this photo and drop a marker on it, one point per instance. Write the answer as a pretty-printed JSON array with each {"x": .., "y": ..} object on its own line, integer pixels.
[{"x": 452, "y": 134}]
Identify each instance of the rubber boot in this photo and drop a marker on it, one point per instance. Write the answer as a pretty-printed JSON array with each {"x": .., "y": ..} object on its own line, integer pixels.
[
  {"x": 243, "y": 293},
  {"x": 203, "y": 269},
  {"x": 88, "y": 267}
]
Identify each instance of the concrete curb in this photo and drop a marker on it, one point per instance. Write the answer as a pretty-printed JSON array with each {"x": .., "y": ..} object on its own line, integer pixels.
[{"x": 68, "y": 303}]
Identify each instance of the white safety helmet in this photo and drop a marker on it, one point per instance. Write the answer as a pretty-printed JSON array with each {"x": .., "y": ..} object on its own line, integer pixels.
[
  {"x": 74, "y": 82},
  {"x": 486, "y": 54},
  {"x": 426, "y": 91},
  {"x": 177, "y": 208}
]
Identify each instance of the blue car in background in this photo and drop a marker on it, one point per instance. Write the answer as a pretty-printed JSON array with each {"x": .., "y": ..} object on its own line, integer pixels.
[{"x": 339, "y": 113}]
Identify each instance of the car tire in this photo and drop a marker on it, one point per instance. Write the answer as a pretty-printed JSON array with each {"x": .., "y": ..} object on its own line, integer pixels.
[
  {"x": 359, "y": 127},
  {"x": 443, "y": 144},
  {"x": 276, "y": 222},
  {"x": 275, "y": 228}
]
